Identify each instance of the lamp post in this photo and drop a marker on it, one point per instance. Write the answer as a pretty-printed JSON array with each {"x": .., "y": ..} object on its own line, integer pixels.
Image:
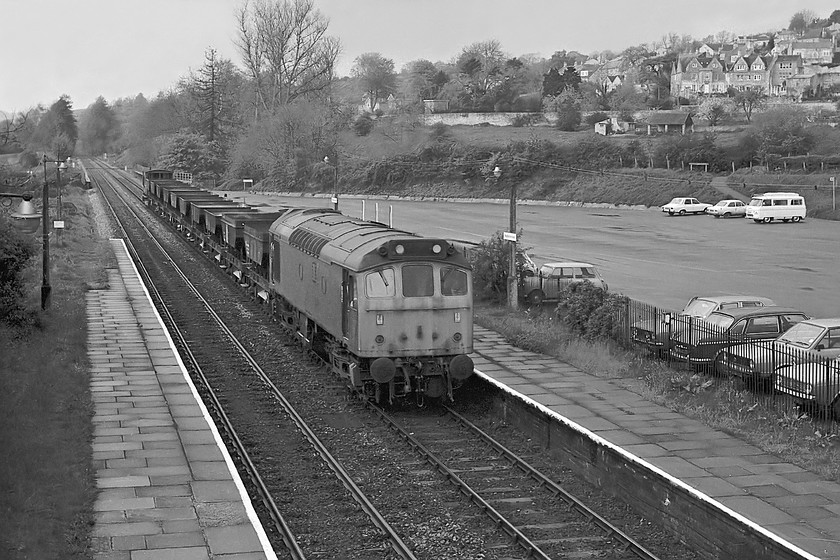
[
  {"x": 510, "y": 236},
  {"x": 26, "y": 219},
  {"x": 59, "y": 165},
  {"x": 335, "y": 180}
]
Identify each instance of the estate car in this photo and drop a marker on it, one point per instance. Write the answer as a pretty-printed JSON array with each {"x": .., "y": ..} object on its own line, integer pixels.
[{"x": 552, "y": 277}]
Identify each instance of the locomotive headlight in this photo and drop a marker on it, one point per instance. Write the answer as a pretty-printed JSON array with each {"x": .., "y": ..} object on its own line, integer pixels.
[
  {"x": 436, "y": 249},
  {"x": 399, "y": 249},
  {"x": 379, "y": 339},
  {"x": 380, "y": 319},
  {"x": 457, "y": 337},
  {"x": 457, "y": 316}
]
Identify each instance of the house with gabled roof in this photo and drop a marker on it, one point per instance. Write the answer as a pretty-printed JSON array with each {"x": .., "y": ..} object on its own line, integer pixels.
[
  {"x": 814, "y": 52},
  {"x": 695, "y": 74},
  {"x": 782, "y": 68},
  {"x": 750, "y": 72}
]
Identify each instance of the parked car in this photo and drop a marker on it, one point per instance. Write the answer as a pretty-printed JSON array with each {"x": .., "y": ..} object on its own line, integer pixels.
[
  {"x": 683, "y": 206},
  {"x": 808, "y": 341},
  {"x": 816, "y": 384},
  {"x": 728, "y": 209},
  {"x": 703, "y": 339},
  {"x": 784, "y": 206},
  {"x": 552, "y": 277},
  {"x": 654, "y": 332}
]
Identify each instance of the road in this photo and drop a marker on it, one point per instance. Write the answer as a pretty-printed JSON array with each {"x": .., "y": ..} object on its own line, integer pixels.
[{"x": 644, "y": 254}]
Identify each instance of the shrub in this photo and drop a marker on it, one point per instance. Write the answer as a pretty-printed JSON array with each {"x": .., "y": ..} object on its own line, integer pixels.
[
  {"x": 595, "y": 117},
  {"x": 362, "y": 125},
  {"x": 591, "y": 312},
  {"x": 491, "y": 263},
  {"x": 15, "y": 252}
]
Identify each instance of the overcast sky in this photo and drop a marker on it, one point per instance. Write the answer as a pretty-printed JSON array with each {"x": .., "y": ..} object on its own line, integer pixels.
[{"x": 119, "y": 48}]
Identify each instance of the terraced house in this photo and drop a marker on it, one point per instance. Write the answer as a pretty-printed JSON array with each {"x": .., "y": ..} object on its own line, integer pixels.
[{"x": 795, "y": 66}]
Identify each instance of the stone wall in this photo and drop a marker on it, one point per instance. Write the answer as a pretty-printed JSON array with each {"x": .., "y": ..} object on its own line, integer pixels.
[{"x": 495, "y": 119}]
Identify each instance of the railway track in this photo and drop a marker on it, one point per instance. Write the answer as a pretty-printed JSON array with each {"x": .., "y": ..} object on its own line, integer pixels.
[
  {"x": 422, "y": 498},
  {"x": 214, "y": 355}
]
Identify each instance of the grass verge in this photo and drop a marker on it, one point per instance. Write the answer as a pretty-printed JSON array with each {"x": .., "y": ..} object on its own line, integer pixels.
[
  {"x": 722, "y": 404},
  {"x": 47, "y": 485}
]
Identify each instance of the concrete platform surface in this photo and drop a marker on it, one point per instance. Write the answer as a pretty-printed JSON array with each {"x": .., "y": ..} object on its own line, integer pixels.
[
  {"x": 168, "y": 487},
  {"x": 789, "y": 504}
]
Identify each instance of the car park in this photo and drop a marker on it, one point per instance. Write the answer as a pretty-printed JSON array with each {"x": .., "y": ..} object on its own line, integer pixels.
[
  {"x": 808, "y": 341},
  {"x": 703, "y": 340},
  {"x": 728, "y": 209},
  {"x": 683, "y": 206},
  {"x": 655, "y": 332},
  {"x": 552, "y": 277}
]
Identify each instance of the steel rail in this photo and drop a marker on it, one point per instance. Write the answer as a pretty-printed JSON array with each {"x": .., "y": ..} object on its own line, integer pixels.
[
  {"x": 501, "y": 522},
  {"x": 397, "y": 544},
  {"x": 557, "y": 490}
]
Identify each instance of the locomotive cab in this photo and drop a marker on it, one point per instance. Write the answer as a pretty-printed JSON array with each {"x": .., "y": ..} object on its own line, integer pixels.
[{"x": 411, "y": 318}]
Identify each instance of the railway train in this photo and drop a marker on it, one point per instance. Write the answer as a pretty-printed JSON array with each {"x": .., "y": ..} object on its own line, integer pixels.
[{"x": 390, "y": 311}]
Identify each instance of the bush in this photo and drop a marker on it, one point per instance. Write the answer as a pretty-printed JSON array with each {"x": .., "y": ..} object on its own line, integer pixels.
[
  {"x": 363, "y": 125},
  {"x": 15, "y": 252},
  {"x": 595, "y": 117},
  {"x": 591, "y": 312},
  {"x": 491, "y": 263}
]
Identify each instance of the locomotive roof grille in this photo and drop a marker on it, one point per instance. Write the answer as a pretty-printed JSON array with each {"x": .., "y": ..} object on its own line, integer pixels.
[{"x": 307, "y": 241}]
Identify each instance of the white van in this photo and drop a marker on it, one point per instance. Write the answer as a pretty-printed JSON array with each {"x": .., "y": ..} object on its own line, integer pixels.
[{"x": 774, "y": 206}]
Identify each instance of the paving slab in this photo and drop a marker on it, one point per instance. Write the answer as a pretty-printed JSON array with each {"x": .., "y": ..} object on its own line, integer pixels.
[{"x": 158, "y": 456}]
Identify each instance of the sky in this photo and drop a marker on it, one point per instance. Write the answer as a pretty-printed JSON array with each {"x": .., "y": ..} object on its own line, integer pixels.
[{"x": 119, "y": 48}]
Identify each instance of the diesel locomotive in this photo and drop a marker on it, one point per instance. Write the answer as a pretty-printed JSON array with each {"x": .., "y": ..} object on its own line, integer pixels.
[{"x": 390, "y": 311}]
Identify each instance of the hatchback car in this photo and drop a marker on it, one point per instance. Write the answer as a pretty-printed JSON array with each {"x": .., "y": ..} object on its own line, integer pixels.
[
  {"x": 552, "y": 277},
  {"x": 683, "y": 206},
  {"x": 728, "y": 209},
  {"x": 703, "y": 340},
  {"x": 654, "y": 332},
  {"x": 808, "y": 341}
]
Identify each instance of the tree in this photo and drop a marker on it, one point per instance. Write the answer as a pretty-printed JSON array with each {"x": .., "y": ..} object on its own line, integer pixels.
[
  {"x": 11, "y": 126},
  {"x": 481, "y": 69},
  {"x": 212, "y": 97},
  {"x": 376, "y": 76},
  {"x": 57, "y": 131},
  {"x": 552, "y": 83},
  {"x": 748, "y": 100},
  {"x": 834, "y": 17},
  {"x": 424, "y": 81},
  {"x": 286, "y": 51},
  {"x": 570, "y": 78},
  {"x": 98, "y": 128},
  {"x": 714, "y": 109},
  {"x": 566, "y": 106},
  {"x": 801, "y": 20},
  {"x": 779, "y": 131}
]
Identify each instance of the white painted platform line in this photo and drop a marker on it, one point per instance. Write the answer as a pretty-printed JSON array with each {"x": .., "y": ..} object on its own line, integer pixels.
[
  {"x": 641, "y": 462},
  {"x": 119, "y": 245}
]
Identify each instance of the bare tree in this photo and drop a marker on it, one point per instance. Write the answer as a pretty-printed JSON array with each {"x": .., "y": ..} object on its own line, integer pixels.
[
  {"x": 286, "y": 50},
  {"x": 10, "y": 126}
]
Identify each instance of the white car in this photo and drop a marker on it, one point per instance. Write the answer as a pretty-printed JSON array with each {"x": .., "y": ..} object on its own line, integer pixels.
[
  {"x": 683, "y": 206},
  {"x": 728, "y": 209}
]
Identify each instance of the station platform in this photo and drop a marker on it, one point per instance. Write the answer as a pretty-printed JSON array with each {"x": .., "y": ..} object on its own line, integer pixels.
[
  {"x": 168, "y": 487},
  {"x": 791, "y": 508}
]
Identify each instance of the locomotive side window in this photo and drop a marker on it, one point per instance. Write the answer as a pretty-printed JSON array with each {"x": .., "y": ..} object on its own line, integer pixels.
[
  {"x": 380, "y": 283},
  {"x": 418, "y": 280},
  {"x": 453, "y": 282}
]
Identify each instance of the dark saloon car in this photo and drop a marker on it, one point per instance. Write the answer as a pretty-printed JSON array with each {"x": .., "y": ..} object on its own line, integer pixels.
[
  {"x": 702, "y": 341},
  {"x": 654, "y": 331}
]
